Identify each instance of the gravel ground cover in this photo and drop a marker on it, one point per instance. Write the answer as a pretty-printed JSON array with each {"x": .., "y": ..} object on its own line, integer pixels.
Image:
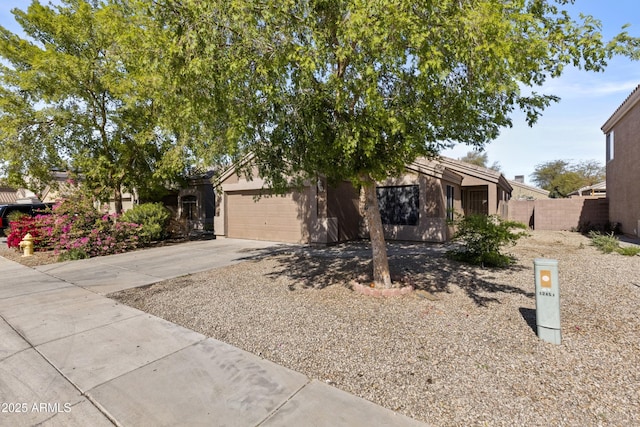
[{"x": 461, "y": 351}]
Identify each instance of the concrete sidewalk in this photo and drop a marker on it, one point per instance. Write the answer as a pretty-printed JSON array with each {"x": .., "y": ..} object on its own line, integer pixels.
[{"x": 70, "y": 356}]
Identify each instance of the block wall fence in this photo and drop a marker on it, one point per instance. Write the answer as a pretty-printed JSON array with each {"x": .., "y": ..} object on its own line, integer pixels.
[{"x": 580, "y": 213}]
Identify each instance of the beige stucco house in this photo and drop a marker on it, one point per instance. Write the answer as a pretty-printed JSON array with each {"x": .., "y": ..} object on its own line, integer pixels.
[
  {"x": 8, "y": 195},
  {"x": 246, "y": 208},
  {"x": 622, "y": 132},
  {"x": 416, "y": 206},
  {"x": 484, "y": 191},
  {"x": 522, "y": 191},
  {"x": 596, "y": 190}
]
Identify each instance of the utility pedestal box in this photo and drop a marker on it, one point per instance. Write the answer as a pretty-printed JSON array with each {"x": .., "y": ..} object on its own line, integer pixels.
[{"x": 547, "y": 300}]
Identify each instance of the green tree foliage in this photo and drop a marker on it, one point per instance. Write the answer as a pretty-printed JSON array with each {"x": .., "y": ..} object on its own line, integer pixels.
[
  {"x": 357, "y": 89},
  {"x": 480, "y": 158},
  {"x": 74, "y": 97},
  {"x": 561, "y": 177}
]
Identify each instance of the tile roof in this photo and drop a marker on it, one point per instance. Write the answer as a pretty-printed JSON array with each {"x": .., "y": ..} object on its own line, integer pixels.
[{"x": 8, "y": 195}]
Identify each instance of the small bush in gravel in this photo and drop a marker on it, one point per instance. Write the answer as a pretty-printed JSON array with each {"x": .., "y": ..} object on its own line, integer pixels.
[
  {"x": 608, "y": 243},
  {"x": 629, "y": 250},
  {"x": 482, "y": 238}
]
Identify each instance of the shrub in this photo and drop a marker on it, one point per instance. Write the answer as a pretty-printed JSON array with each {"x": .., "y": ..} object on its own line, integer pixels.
[
  {"x": 76, "y": 229},
  {"x": 482, "y": 237},
  {"x": 608, "y": 243},
  {"x": 18, "y": 228},
  {"x": 629, "y": 250},
  {"x": 84, "y": 229},
  {"x": 153, "y": 219},
  {"x": 73, "y": 254}
]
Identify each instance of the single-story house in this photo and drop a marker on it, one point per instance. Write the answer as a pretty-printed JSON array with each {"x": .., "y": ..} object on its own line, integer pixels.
[
  {"x": 416, "y": 206},
  {"x": 191, "y": 205},
  {"x": 596, "y": 190},
  {"x": 622, "y": 150},
  {"x": 316, "y": 213},
  {"x": 196, "y": 203},
  {"x": 484, "y": 191},
  {"x": 8, "y": 195},
  {"x": 522, "y": 191}
]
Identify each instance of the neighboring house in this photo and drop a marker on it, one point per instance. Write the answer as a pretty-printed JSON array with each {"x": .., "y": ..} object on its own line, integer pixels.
[
  {"x": 59, "y": 186},
  {"x": 416, "y": 206},
  {"x": 622, "y": 132},
  {"x": 8, "y": 195},
  {"x": 192, "y": 206},
  {"x": 26, "y": 196},
  {"x": 595, "y": 190},
  {"x": 522, "y": 191},
  {"x": 197, "y": 203}
]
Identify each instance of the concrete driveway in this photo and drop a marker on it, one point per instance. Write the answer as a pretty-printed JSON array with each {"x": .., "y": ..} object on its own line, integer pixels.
[
  {"x": 113, "y": 273},
  {"x": 72, "y": 357}
]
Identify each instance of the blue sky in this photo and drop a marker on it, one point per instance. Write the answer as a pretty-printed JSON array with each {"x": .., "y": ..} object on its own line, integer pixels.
[{"x": 568, "y": 130}]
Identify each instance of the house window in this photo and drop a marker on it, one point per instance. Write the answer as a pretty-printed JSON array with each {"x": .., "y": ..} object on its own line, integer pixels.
[
  {"x": 399, "y": 205},
  {"x": 609, "y": 146},
  {"x": 189, "y": 208},
  {"x": 450, "y": 200}
]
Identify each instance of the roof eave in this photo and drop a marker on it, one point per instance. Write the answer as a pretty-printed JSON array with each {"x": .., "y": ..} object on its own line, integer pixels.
[{"x": 623, "y": 109}]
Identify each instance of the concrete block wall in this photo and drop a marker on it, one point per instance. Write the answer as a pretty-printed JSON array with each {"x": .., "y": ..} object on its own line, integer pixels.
[
  {"x": 521, "y": 211},
  {"x": 561, "y": 214}
]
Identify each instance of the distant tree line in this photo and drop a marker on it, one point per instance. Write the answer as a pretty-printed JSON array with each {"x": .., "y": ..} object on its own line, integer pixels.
[{"x": 562, "y": 177}]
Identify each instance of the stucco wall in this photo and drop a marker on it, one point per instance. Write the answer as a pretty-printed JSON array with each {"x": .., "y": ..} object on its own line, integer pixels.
[
  {"x": 343, "y": 205},
  {"x": 561, "y": 214},
  {"x": 432, "y": 224},
  {"x": 623, "y": 173},
  {"x": 521, "y": 211}
]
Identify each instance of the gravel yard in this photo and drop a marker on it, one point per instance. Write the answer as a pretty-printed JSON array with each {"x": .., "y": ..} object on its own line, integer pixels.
[{"x": 465, "y": 353}]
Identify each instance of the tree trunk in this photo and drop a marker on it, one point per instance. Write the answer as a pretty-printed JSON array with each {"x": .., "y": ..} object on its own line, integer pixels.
[
  {"x": 381, "y": 276},
  {"x": 117, "y": 197}
]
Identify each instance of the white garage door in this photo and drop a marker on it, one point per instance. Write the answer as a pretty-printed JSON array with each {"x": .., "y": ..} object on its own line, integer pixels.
[{"x": 275, "y": 218}]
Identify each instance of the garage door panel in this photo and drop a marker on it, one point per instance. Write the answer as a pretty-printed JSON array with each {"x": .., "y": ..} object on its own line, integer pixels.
[{"x": 274, "y": 218}]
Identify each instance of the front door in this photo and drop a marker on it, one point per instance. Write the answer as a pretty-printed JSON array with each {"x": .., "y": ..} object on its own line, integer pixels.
[{"x": 475, "y": 201}]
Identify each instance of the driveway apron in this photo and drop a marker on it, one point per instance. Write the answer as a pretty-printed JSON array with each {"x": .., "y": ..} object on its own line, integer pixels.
[{"x": 70, "y": 356}]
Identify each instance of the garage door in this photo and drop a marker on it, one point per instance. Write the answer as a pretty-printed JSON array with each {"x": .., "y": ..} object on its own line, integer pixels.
[{"x": 275, "y": 218}]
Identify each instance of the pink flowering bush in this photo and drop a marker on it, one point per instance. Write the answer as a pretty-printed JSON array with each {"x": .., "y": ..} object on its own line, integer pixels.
[
  {"x": 19, "y": 228},
  {"x": 75, "y": 229}
]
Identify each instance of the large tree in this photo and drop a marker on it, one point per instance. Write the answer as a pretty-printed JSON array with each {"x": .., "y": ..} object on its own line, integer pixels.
[
  {"x": 480, "y": 158},
  {"x": 561, "y": 177},
  {"x": 74, "y": 97},
  {"x": 356, "y": 89}
]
